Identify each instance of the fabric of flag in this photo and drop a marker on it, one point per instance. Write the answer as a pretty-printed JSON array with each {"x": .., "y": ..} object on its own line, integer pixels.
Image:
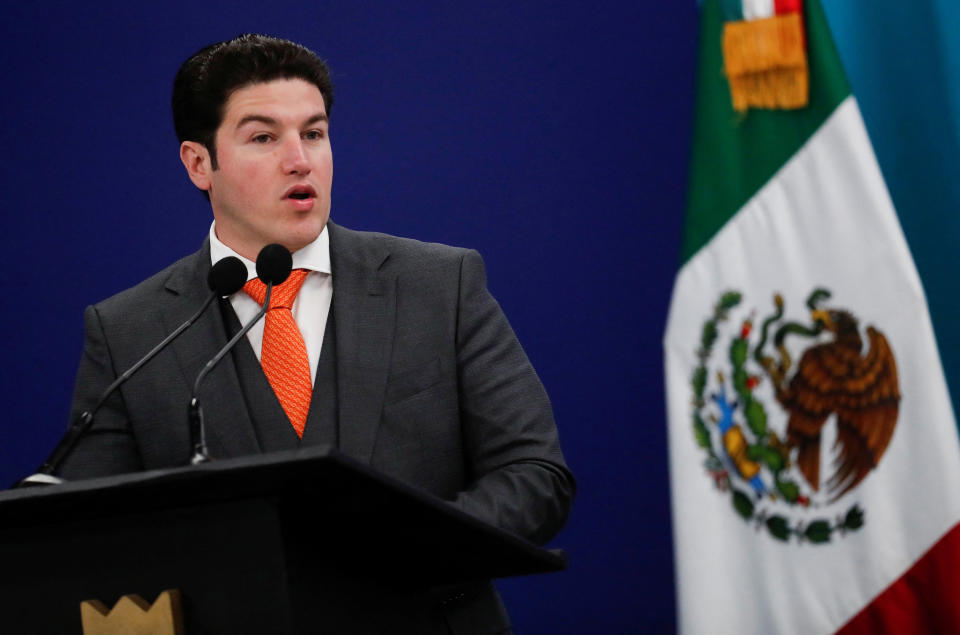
[
  {"x": 732, "y": 10},
  {"x": 813, "y": 446}
]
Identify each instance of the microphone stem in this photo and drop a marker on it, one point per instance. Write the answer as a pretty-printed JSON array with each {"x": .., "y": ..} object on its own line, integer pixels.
[
  {"x": 79, "y": 426},
  {"x": 156, "y": 349},
  {"x": 198, "y": 435}
]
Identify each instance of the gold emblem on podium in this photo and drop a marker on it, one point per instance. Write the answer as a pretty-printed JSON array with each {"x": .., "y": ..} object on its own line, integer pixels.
[{"x": 132, "y": 614}]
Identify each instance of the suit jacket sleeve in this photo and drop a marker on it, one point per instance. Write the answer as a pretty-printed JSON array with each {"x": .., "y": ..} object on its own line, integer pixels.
[{"x": 518, "y": 479}]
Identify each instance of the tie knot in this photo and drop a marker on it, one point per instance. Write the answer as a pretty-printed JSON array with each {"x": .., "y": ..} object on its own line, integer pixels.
[{"x": 282, "y": 295}]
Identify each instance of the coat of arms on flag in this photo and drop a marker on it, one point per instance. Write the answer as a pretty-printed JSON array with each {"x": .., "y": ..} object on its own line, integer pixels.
[{"x": 765, "y": 447}]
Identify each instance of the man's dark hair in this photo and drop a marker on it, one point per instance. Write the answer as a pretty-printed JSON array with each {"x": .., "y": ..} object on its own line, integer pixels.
[{"x": 205, "y": 82}]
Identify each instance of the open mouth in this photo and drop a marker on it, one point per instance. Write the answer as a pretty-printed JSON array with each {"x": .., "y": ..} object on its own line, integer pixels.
[{"x": 300, "y": 192}]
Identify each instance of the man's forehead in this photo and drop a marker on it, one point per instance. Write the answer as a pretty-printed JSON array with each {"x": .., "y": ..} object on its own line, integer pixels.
[{"x": 276, "y": 99}]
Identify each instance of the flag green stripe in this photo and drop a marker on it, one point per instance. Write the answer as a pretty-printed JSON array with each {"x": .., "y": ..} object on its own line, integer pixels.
[
  {"x": 731, "y": 9},
  {"x": 735, "y": 155}
]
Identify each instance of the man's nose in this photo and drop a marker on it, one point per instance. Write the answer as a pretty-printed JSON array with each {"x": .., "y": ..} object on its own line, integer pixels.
[{"x": 294, "y": 157}]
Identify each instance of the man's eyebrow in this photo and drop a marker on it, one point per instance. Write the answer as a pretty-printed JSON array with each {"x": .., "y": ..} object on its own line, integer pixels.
[
  {"x": 270, "y": 121},
  {"x": 259, "y": 118},
  {"x": 320, "y": 116}
]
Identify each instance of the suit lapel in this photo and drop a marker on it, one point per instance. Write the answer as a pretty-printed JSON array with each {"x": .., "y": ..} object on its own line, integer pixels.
[
  {"x": 364, "y": 309},
  {"x": 228, "y": 426}
]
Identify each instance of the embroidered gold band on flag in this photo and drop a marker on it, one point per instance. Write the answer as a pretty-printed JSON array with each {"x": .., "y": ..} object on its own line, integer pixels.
[{"x": 766, "y": 63}]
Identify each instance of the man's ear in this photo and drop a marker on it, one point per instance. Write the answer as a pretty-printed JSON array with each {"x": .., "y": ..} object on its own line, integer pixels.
[{"x": 196, "y": 159}]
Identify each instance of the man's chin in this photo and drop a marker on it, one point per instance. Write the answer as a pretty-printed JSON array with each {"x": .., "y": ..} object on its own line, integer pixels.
[{"x": 295, "y": 241}]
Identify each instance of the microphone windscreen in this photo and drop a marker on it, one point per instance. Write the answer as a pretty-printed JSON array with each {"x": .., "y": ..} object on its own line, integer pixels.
[
  {"x": 227, "y": 276},
  {"x": 274, "y": 263}
]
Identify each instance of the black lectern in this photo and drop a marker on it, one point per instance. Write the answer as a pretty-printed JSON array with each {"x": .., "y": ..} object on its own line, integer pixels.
[{"x": 292, "y": 542}]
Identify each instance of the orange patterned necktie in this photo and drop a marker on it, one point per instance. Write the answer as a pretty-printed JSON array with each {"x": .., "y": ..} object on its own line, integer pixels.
[{"x": 283, "y": 355}]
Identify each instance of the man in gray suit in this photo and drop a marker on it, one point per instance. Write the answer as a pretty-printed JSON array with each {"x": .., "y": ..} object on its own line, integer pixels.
[{"x": 414, "y": 368}]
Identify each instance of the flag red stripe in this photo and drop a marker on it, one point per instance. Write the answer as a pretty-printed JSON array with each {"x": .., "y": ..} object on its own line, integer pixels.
[
  {"x": 787, "y": 6},
  {"x": 923, "y": 600}
]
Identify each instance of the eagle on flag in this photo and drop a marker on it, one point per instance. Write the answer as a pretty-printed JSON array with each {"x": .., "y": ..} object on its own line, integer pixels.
[{"x": 835, "y": 378}]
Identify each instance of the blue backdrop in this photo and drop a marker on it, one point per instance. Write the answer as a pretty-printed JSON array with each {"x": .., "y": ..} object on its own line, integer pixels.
[{"x": 553, "y": 137}]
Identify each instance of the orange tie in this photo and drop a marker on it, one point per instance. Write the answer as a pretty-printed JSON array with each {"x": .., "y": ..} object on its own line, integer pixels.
[{"x": 283, "y": 355}]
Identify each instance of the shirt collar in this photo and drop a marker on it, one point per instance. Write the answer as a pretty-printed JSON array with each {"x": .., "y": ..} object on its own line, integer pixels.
[{"x": 313, "y": 257}]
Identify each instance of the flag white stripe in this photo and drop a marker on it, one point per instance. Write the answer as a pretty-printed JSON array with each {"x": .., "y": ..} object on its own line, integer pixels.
[{"x": 755, "y": 9}]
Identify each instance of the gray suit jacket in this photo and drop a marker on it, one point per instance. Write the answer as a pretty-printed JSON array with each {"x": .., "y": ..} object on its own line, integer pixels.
[{"x": 433, "y": 386}]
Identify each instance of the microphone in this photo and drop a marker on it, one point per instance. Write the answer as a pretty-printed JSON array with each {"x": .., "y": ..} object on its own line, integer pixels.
[
  {"x": 226, "y": 277},
  {"x": 274, "y": 263}
]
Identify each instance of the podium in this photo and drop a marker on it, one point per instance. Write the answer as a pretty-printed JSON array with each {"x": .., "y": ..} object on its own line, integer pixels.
[{"x": 308, "y": 541}]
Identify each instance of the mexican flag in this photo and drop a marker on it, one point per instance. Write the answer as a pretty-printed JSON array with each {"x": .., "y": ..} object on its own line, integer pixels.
[{"x": 815, "y": 465}]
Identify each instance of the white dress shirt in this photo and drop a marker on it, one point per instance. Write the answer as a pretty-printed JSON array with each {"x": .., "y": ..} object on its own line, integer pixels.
[{"x": 310, "y": 308}]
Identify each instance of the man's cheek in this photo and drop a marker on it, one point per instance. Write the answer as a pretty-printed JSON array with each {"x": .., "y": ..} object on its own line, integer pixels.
[{"x": 250, "y": 182}]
